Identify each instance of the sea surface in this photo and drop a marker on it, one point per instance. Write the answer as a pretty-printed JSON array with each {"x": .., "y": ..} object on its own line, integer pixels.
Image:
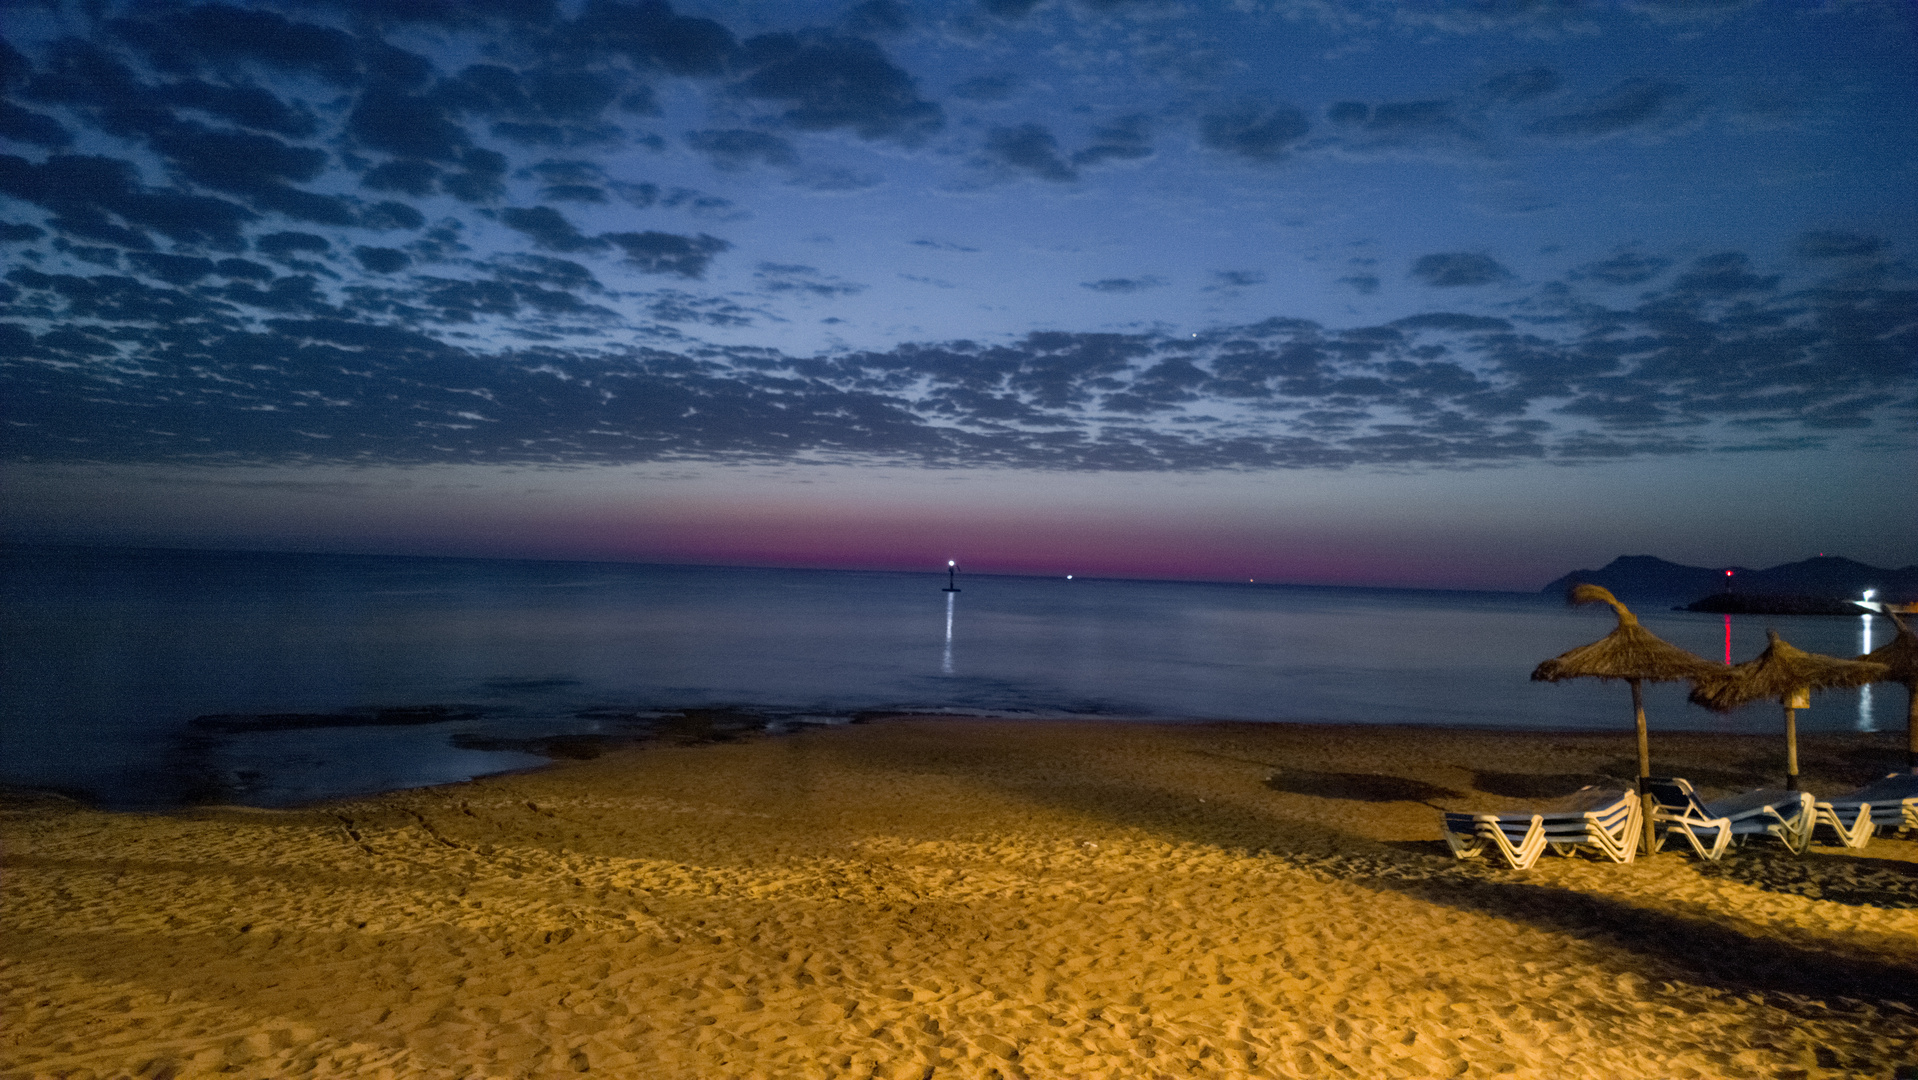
[{"x": 157, "y": 678}]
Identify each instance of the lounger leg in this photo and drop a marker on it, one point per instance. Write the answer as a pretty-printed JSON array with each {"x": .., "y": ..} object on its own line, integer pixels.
[
  {"x": 1724, "y": 841},
  {"x": 1679, "y": 827},
  {"x": 1801, "y": 826},
  {"x": 1698, "y": 846},
  {"x": 1529, "y": 848},
  {"x": 1855, "y": 834},
  {"x": 1635, "y": 832},
  {"x": 1470, "y": 847},
  {"x": 1861, "y": 829},
  {"x": 1795, "y": 839}
]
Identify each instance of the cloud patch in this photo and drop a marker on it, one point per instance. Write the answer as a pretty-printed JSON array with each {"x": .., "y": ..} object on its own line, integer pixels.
[
  {"x": 1835, "y": 244},
  {"x": 653, "y": 252},
  {"x": 804, "y": 280},
  {"x": 1635, "y": 103},
  {"x": 382, "y": 260},
  {"x": 1624, "y": 268},
  {"x": 549, "y": 229},
  {"x": 1123, "y": 285},
  {"x": 1455, "y": 269},
  {"x": 1517, "y": 87},
  {"x": 1029, "y": 149},
  {"x": 1255, "y": 130},
  {"x": 1125, "y": 139},
  {"x": 1237, "y": 279},
  {"x": 736, "y": 149},
  {"x": 988, "y": 88},
  {"x": 831, "y": 83}
]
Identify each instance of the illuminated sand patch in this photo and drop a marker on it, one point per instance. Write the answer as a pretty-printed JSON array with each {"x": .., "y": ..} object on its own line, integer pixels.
[{"x": 971, "y": 898}]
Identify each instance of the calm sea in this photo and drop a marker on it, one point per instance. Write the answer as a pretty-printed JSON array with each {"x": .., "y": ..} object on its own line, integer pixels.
[{"x": 110, "y": 655}]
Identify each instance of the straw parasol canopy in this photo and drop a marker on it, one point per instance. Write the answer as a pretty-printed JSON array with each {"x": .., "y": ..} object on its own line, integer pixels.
[
  {"x": 1631, "y": 653},
  {"x": 1787, "y": 673},
  {"x": 1900, "y": 657}
]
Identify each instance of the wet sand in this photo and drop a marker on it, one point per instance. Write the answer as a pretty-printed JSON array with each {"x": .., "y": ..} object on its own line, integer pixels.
[{"x": 959, "y": 898}]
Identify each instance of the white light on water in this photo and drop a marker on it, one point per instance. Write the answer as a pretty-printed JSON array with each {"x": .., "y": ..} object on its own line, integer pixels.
[
  {"x": 1864, "y": 646},
  {"x": 945, "y": 661}
]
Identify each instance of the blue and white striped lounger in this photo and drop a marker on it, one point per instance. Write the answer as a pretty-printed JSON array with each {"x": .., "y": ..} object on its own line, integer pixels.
[
  {"x": 1888, "y": 803},
  {"x": 1711, "y": 827},
  {"x": 1606, "y": 820}
]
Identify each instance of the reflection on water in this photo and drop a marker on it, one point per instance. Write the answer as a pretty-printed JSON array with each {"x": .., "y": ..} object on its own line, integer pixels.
[
  {"x": 945, "y": 664},
  {"x": 1728, "y": 641},
  {"x": 1864, "y": 692}
]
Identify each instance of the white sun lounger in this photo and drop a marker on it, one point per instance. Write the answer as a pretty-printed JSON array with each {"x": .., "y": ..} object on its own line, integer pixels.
[
  {"x": 1711, "y": 827},
  {"x": 1888, "y": 803},
  {"x": 1604, "y": 819}
]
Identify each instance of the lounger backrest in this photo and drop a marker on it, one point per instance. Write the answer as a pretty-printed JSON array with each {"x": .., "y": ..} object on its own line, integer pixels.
[
  {"x": 1899, "y": 786},
  {"x": 1594, "y": 799},
  {"x": 1674, "y": 793}
]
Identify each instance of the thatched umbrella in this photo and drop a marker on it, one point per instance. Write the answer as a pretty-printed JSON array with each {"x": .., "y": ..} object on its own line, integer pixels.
[
  {"x": 1900, "y": 657},
  {"x": 1631, "y": 653},
  {"x": 1784, "y": 672}
]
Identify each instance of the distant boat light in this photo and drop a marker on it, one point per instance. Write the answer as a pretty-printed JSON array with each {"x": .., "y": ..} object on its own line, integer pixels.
[
  {"x": 1869, "y": 593},
  {"x": 1068, "y": 577}
]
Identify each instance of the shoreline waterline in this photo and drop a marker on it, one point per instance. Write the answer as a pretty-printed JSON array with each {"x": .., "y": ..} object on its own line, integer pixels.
[{"x": 1830, "y": 760}]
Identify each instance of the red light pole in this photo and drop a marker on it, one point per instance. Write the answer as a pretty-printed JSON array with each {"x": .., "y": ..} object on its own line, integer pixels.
[{"x": 1728, "y": 623}]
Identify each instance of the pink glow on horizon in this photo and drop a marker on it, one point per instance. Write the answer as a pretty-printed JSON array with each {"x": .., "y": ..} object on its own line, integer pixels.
[
  {"x": 1313, "y": 532},
  {"x": 1085, "y": 546}
]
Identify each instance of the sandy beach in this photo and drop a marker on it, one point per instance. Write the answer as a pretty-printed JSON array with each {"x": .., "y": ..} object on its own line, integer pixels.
[{"x": 917, "y": 897}]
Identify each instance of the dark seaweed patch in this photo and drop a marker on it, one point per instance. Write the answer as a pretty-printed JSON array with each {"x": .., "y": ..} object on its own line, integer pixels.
[
  {"x": 1363, "y": 787},
  {"x": 236, "y": 723}
]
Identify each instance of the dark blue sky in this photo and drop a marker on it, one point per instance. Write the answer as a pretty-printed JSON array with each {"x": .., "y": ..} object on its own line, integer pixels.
[{"x": 1334, "y": 290}]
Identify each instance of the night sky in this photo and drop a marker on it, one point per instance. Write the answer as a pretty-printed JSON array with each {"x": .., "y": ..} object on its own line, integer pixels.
[{"x": 1439, "y": 294}]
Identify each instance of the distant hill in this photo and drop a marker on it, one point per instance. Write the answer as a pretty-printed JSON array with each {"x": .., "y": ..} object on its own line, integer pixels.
[{"x": 1646, "y": 577}]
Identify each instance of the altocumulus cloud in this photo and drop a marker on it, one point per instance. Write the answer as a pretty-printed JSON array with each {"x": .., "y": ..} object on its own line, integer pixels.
[
  {"x": 213, "y": 127},
  {"x": 237, "y": 233},
  {"x": 214, "y": 366}
]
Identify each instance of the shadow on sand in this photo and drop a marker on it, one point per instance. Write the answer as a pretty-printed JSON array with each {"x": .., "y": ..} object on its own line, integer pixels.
[{"x": 1676, "y": 947}]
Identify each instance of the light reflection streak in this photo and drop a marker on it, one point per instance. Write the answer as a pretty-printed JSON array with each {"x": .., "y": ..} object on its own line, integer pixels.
[
  {"x": 1864, "y": 692},
  {"x": 945, "y": 664}
]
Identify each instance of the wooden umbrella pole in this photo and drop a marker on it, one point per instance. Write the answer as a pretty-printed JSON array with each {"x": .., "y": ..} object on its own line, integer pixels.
[
  {"x": 1644, "y": 744},
  {"x": 1644, "y": 765},
  {"x": 1791, "y": 748},
  {"x": 1911, "y": 728}
]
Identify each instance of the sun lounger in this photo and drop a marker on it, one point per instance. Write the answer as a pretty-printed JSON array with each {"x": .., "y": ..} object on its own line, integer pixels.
[
  {"x": 1606, "y": 820},
  {"x": 1888, "y": 803},
  {"x": 1712, "y": 827}
]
